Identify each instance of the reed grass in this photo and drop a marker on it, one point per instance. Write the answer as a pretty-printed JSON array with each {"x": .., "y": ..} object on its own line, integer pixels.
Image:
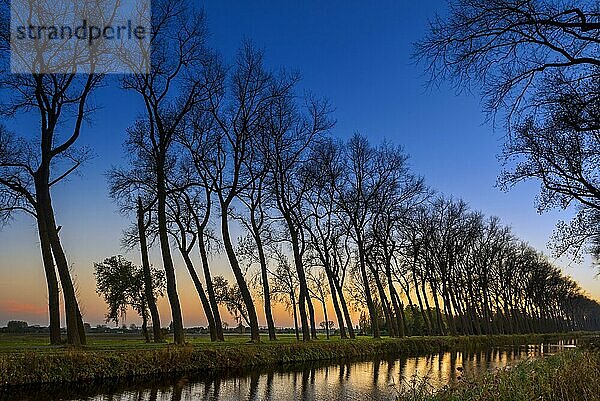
[{"x": 568, "y": 376}]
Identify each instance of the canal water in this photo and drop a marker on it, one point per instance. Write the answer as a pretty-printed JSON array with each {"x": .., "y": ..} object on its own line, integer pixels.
[{"x": 375, "y": 380}]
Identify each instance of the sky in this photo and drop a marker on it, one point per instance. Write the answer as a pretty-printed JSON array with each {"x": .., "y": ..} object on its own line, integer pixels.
[{"x": 354, "y": 53}]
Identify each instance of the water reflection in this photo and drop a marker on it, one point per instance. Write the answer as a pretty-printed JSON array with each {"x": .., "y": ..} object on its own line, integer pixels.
[{"x": 362, "y": 380}]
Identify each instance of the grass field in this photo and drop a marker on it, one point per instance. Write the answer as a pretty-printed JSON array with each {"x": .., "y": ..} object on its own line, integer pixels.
[
  {"x": 40, "y": 342},
  {"x": 28, "y": 342},
  {"x": 16, "y": 342}
]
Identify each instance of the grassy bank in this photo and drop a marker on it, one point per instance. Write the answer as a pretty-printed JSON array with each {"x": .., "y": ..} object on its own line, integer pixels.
[
  {"x": 111, "y": 358},
  {"x": 569, "y": 376}
]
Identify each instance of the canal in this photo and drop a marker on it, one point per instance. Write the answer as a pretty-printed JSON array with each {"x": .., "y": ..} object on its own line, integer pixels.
[{"x": 377, "y": 380}]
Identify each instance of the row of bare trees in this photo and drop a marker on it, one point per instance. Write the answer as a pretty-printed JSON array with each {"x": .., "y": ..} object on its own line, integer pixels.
[
  {"x": 240, "y": 140},
  {"x": 224, "y": 146},
  {"x": 536, "y": 65},
  {"x": 470, "y": 275}
]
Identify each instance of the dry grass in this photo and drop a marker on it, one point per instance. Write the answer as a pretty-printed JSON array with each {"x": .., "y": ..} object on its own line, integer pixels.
[{"x": 568, "y": 376}]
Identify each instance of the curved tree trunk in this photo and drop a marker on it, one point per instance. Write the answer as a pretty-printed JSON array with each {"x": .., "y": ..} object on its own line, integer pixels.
[
  {"x": 324, "y": 304},
  {"x": 368, "y": 296},
  {"x": 438, "y": 312},
  {"x": 51, "y": 280},
  {"x": 75, "y": 330},
  {"x": 336, "y": 305},
  {"x": 201, "y": 226},
  {"x": 239, "y": 276},
  {"x": 311, "y": 316},
  {"x": 344, "y": 306},
  {"x": 203, "y": 298},
  {"x": 214, "y": 305},
  {"x": 266, "y": 290},
  {"x": 428, "y": 308},
  {"x": 387, "y": 310},
  {"x": 398, "y": 309},
  {"x": 385, "y": 304},
  {"x": 148, "y": 285},
  {"x": 257, "y": 218},
  {"x": 293, "y": 299},
  {"x": 167, "y": 258},
  {"x": 302, "y": 299},
  {"x": 145, "y": 325},
  {"x": 72, "y": 311},
  {"x": 421, "y": 306}
]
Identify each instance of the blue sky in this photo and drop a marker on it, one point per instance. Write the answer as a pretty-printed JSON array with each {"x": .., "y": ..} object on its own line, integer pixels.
[{"x": 358, "y": 55}]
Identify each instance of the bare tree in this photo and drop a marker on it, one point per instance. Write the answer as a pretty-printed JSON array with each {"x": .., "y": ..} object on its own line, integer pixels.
[
  {"x": 200, "y": 142},
  {"x": 142, "y": 229},
  {"x": 290, "y": 133},
  {"x": 369, "y": 174},
  {"x": 18, "y": 195},
  {"x": 537, "y": 62},
  {"x": 560, "y": 149},
  {"x": 170, "y": 91},
  {"x": 31, "y": 167},
  {"x": 322, "y": 174},
  {"x": 182, "y": 215},
  {"x": 317, "y": 287},
  {"x": 257, "y": 224},
  {"x": 133, "y": 190},
  {"x": 238, "y": 112},
  {"x": 285, "y": 285},
  {"x": 507, "y": 47}
]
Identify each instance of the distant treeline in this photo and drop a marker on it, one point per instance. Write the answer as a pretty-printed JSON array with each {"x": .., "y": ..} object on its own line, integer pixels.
[{"x": 22, "y": 327}]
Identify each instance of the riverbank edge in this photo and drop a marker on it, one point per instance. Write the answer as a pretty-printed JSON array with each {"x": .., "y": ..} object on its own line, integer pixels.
[
  {"x": 571, "y": 375},
  {"x": 75, "y": 365}
]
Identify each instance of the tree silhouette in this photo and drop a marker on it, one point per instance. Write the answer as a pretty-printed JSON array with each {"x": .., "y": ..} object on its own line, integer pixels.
[
  {"x": 31, "y": 167},
  {"x": 122, "y": 285},
  {"x": 537, "y": 63},
  {"x": 170, "y": 91}
]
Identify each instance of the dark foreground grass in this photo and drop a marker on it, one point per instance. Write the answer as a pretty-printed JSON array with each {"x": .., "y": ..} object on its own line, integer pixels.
[
  {"x": 568, "y": 376},
  {"x": 29, "y": 362}
]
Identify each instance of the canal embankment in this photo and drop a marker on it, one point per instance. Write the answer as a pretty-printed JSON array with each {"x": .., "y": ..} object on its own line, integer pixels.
[{"x": 67, "y": 365}]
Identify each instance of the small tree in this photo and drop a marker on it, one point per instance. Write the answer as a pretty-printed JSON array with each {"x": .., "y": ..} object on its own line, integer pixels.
[
  {"x": 121, "y": 283},
  {"x": 231, "y": 297},
  {"x": 327, "y": 325}
]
